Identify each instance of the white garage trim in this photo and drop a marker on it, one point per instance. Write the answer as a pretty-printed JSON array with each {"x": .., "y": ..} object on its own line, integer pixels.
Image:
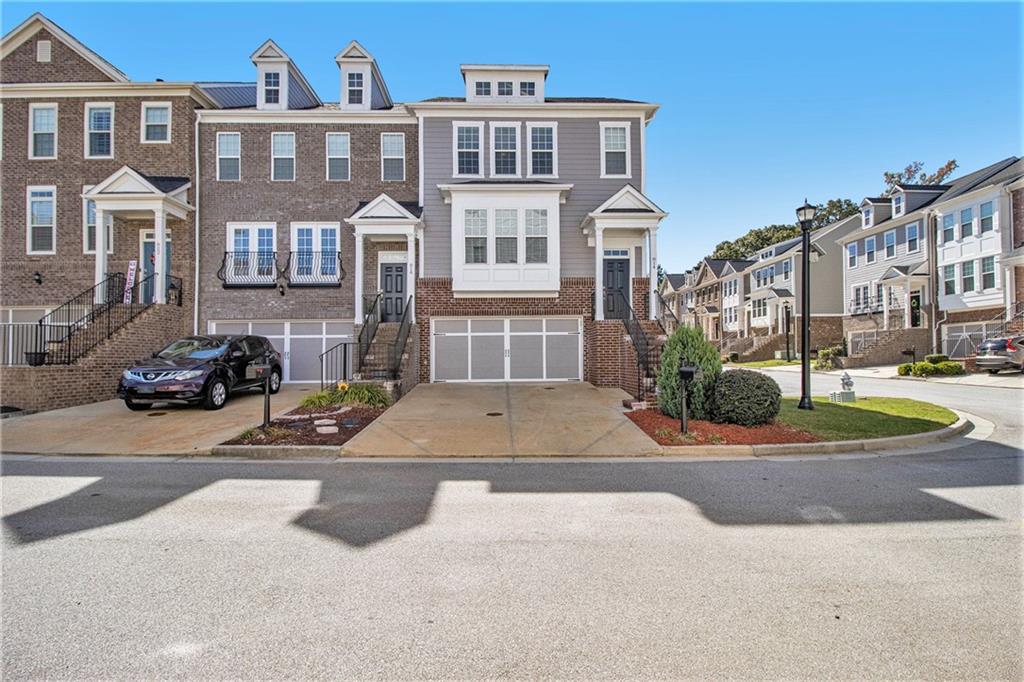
[{"x": 331, "y": 332}]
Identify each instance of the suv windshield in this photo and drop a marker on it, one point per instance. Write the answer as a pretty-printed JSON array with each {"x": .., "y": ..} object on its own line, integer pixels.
[{"x": 197, "y": 348}]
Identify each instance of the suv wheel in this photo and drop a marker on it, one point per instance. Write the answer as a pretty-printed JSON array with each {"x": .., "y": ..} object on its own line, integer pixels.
[
  {"x": 134, "y": 406},
  {"x": 216, "y": 394},
  {"x": 275, "y": 381}
]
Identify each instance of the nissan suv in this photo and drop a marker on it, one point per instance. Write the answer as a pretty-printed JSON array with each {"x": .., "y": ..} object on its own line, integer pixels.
[{"x": 200, "y": 370}]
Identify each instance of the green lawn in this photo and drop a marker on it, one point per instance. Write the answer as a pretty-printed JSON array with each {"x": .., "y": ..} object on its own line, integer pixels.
[
  {"x": 867, "y": 418},
  {"x": 762, "y": 363}
]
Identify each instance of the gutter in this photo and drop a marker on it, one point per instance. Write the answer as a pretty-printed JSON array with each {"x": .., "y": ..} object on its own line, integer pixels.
[
  {"x": 195, "y": 236},
  {"x": 933, "y": 229}
]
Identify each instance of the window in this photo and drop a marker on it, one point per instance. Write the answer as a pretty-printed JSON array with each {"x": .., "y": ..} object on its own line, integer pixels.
[
  {"x": 988, "y": 272},
  {"x": 355, "y": 88},
  {"x": 865, "y": 217},
  {"x": 913, "y": 245},
  {"x": 966, "y": 223},
  {"x": 250, "y": 258},
  {"x": 536, "y": 235},
  {"x": 787, "y": 265},
  {"x": 869, "y": 250},
  {"x": 483, "y": 88},
  {"x": 468, "y": 150},
  {"x": 890, "y": 244},
  {"x": 506, "y": 235},
  {"x": 948, "y": 228},
  {"x": 504, "y": 88},
  {"x": 272, "y": 87},
  {"x": 505, "y": 150},
  {"x": 99, "y": 126},
  {"x": 949, "y": 279},
  {"x": 282, "y": 156},
  {"x": 42, "y": 210},
  {"x": 527, "y": 88},
  {"x": 897, "y": 205},
  {"x": 315, "y": 258},
  {"x": 392, "y": 156},
  {"x": 615, "y": 150},
  {"x": 967, "y": 276},
  {"x": 156, "y": 122},
  {"x": 759, "y": 308},
  {"x": 42, "y": 141},
  {"x": 229, "y": 156},
  {"x": 542, "y": 149},
  {"x": 986, "y": 217},
  {"x": 44, "y": 51},
  {"x": 851, "y": 255},
  {"x": 89, "y": 226},
  {"x": 338, "y": 156},
  {"x": 476, "y": 235},
  {"x": 878, "y": 296}
]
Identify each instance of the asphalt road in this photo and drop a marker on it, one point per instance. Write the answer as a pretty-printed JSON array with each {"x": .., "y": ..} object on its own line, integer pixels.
[{"x": 906, "y": 566}]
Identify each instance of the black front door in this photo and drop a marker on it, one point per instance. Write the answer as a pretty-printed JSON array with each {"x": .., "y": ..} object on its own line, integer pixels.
[
  {"x": 616, "y": 288},
  {"x": 915, "y": 309},
  {"x": 392, "y": 283}
]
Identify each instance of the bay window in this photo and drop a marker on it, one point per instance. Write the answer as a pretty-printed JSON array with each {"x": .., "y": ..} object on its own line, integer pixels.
[
  {"x": 99, "y": 133},
  {"x": 986, "y": 217},
  {"x": 475, "y": 228},
  {"x": 966, "y": 223},
  {"x": 988, "y": 272},
  {"x": 506, "y": 235},
  {"x": 949, "y": 279},
  {"x": 536, "y": 235},
  {"x": 948, "y": 228},
  {"x": 967, "y": 276}
]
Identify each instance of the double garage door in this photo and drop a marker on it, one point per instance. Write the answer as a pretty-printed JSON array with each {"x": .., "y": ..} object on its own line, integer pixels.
[
  {"x": 509, "y": 349},
  {"x": 300, "y": 342}
]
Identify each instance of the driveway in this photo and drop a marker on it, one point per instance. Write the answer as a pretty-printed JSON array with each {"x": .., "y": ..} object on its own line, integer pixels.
[
  {"x": 109, "y": 428},
  {"x": 504, "y": 420}
]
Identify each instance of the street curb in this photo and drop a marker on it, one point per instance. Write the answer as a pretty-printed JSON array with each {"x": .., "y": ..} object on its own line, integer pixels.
[
  {"x": 827, "y": 447},
  {"x": 277, "y": 451}
]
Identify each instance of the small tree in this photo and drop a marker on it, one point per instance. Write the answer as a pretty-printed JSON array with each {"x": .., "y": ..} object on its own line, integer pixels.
[{"x": 688, "y": 347}]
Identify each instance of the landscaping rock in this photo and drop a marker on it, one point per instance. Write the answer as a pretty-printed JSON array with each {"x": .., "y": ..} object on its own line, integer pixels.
[
  {"x": 327, "y": 429},
  {"x": 324, "y": 422}
]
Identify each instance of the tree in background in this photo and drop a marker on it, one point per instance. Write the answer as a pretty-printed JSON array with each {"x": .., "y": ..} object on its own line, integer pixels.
[
  {"x": 914, "y": 175},
  {"x": 833, "y": 210},
  {"x": 760, "y": 237}
]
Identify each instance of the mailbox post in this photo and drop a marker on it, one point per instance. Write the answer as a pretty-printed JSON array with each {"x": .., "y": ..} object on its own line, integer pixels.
[
  {"x": 262, "y": 372},
  {"x": 686, "y": 375}
]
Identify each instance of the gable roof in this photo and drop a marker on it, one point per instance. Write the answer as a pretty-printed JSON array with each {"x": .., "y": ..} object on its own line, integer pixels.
[
  {"x": 628, "y": 200},
  {"x": 356, "y": 53},
  {"x": 383, "y": 207},
  {"x": 28, "y": 28},
  {"x": 272, "y": 52},
  {"x": 676, "y": 280}
]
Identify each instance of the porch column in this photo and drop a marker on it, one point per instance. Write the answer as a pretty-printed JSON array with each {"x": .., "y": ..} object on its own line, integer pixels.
[
  {"x": 746, "y": 320},
  {"x": 906, "y": 304},
  {"x": 652, "y": 236},
  {"x": 101, "y": 253},
  {"x": 771, "y": 314},
  {"x": 359, "y": 277},
  {"x": 1009, "y": 290},
  {"x": 885, "y": 306},
  {"x": 159, "y": 266},
  {"x": 410, "y": 257},
  {"x": 598, "y": 273}
]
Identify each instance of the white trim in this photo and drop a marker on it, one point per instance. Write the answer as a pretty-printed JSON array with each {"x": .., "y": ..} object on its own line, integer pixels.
[
  {"x": 479, "y": 125},
  {"x": 397, "y": 116},
  {"x": 292, "y": 157},
  {"x": 85, "y": 226},
  {"x": 885, "y": 247},
  {"x": 147, "y": 235},
  {"x": 870, "y": 255},
  {"x": 318, "y": 247},
  {"x": 394, "y": 257},
  {"x": 517, "y": 126},
  {"x": 252, "y": 226},
  {"x": 419, "y": 159},
  {"x": 31, "y": 132},
  {"x": 906, "y": 239},
  {"x": 28, "y": 219},
  {"x": 382, "y": 157},
  {"x": 22, "y": 32},
  {"x": 602, "y": 126},
  {"x": 89, "y": 106},
  {"x": 328, "y": 157},
  {"x": 530, "y": 125},
  {"x": 365, "y": 214},
  {"x": 142, "y": 126},
  {"x": 239, "y": 157}
]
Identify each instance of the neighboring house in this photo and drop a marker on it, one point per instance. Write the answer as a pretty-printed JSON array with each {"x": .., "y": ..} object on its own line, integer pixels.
[
  {"x": 707, "y": 298},
  {"x": 671, "y": 291},
  {"x": 735, "y": 283}
]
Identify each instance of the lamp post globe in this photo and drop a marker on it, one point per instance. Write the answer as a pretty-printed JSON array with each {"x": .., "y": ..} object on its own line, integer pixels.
[{"x": 805, "y": 215}]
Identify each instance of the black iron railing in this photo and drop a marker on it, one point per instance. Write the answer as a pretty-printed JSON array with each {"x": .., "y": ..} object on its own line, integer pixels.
[
  {"x": 336, "y": 364},
  {"x": 369, "y": 329},
  {"x": 667, "y": 315},
  {"x": 83, "y": 307},
  {"x": 648, "y": 355},
  {"x": 873, "y": 304},
  {"x": 249, "y": 269},
  {"x": 314, "y": 269},
  {"x": 401, "y": 339}
]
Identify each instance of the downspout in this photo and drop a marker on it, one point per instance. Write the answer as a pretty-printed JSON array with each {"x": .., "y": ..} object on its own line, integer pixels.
[
  {"x": 930, "y": 219},
  {"x": 195, "y": 236}
]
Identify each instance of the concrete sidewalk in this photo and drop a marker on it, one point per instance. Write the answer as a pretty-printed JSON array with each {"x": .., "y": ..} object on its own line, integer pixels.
[
  {"x": 1005, "y": 379},
  {"x": 109, "y": 428}
]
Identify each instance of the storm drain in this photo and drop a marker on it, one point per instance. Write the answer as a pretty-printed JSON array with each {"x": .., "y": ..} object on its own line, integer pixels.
[
  {"x": 156, "y": 414},
  {"x": 494, "y": 414}
]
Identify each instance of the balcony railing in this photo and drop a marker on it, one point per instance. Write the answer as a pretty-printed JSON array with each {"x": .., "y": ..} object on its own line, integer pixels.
[
  {"x": 872, "y": 304},
  {"x": 314, "y": 269},
  {"x": 249, "y": 269}
]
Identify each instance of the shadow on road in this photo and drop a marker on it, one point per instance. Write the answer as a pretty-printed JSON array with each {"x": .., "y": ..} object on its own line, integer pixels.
[{"x": 363, "y": 503}]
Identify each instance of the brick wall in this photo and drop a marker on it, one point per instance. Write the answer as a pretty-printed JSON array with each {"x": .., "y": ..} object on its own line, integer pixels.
[
  {"x": 310, "y": 198},
  {"x": 641, "y": 297},
  {"x": 1017, "y": 200},
  {"x": 94, "y": 377},
  {"x": 1018, "y": 283},
  {"x": 65, "y": 65},
  {"x": 891, "y": 353},
  {"x": 976, "y": 315}
]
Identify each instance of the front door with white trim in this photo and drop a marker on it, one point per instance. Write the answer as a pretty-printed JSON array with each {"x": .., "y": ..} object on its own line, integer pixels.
[{"x": 147, "y": 259}]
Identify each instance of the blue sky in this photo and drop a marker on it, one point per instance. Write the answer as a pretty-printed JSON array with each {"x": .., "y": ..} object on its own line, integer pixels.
[{"x": 761, "y": 104}]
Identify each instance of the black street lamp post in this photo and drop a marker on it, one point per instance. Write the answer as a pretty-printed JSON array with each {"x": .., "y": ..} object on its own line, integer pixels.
[{"x": 805, "y": 215}]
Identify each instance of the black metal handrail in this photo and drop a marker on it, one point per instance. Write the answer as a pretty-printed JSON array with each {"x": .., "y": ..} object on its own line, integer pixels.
[
  {"x": 336, "y": 364},
  {"x": 873, "y": 304},
  {"x": 249, "y": 269},
  {"x": 648, "y": 355},
  {"x": 401, "y": 339},
  {"x": 369, "y": 329},
  {"x": 666, "y": 308},
  {"x": 83, "y": 307},
  {"x": 314, "y": 269}
]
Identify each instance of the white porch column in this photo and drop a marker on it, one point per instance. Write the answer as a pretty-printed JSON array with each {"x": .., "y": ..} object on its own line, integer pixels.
[
  {"x": 652, "y": 236},
  {"x": 159, "y": 266},
  {"x": 746, "y": 320},
  {"x": 906, "y": 305},
  {"x": 598, "y": 273},
  {"x": 1009, "y": 290},
  {"x": 359, "y": 277},
  {"x": 771, "y": 314},
  {"x": 410, "y": 257},
  {"x": 885, "y": 306},
  {"x": 100, "y": 273}
]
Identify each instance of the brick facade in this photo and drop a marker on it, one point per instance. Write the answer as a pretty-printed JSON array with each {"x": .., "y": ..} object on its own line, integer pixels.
[
  {"x": 65, "y": 65},
  {"x": 1017, "y": 210}
]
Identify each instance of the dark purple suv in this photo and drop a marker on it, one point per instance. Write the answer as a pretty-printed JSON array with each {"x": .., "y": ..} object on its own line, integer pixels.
[{"x": 199, "y": 369}]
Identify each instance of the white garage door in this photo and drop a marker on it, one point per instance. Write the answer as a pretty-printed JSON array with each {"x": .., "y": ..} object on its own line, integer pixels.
[
  {"x": 300, "y": 342},
  {"x": 510, "y": 349}
]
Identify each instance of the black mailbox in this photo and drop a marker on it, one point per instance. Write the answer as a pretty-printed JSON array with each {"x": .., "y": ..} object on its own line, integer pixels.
[
  {"x": 910, "y": 352},
  {"x": 686, "y": 375},
  {"x": 257, "y": 372}
]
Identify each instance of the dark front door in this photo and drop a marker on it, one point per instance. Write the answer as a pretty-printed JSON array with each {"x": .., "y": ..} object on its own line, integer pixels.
[
  {"x": 392, "y": 283},
  {"x": 616, "y": 288},
  {"x": 915, "y": 309}
]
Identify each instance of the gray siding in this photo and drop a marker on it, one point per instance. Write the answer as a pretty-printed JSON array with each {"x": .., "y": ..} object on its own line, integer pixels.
[
  {"x": 868, "y": 273},
  {"x": 376, "y": 95},
  {"x": 579, "y": 164},
  {"x": 298, "y": 97}
]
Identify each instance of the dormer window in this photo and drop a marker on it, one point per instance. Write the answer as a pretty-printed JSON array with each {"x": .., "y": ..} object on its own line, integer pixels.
[
  {"x": 866, "y": 217},
  {"x": 504, "y": 88},
  {"x": 527, "y": 88},
  {"x": 355, "y": 88},
  {"x": 897, "y": 205},
  {"x": 483, "y": 88},
  {"x": 272, "y": 87}
]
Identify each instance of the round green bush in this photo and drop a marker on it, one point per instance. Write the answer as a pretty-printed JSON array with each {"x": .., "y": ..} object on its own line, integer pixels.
[
  {"x": 936, "y": 358},
  {"x": 688, "y": 347},
  {"x": 746, "y": 398},
  {"x": 925, "y": 369},
  {"x": 904, "y": 369},
  {"x": 950, "y": 368}
]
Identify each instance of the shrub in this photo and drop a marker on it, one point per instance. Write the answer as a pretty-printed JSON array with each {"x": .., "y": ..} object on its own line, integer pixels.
[
  {"x": 904, "y": 369},
  {"x": 746, "y": 398},
  {"x": 734, "y": 357},
  {"x": 936, "y": 358},
  {"x": 324, "y": 398},
  {"x": 370, "y": 395},
  {"x": 950, "y": 368},
  {"x": 925, "y": 369},
  {"x": 687, "y": 346},
  {"x": 828, "y": 358}
]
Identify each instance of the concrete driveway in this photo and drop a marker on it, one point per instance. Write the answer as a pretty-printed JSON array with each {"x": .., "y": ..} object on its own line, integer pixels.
[
  {"x": 504, "y": 420},
  {"x": 109, "y": 428}
]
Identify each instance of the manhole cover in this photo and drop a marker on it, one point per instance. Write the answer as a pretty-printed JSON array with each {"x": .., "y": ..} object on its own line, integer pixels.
[
  {"x": 156, "y": 414},
  {"x": 494, "y": 414}
]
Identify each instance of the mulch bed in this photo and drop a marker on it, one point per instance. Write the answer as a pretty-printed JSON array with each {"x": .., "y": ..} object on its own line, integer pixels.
[
  {"x": 303, "y": 431},
  {"x": 665, "y": 430}
]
